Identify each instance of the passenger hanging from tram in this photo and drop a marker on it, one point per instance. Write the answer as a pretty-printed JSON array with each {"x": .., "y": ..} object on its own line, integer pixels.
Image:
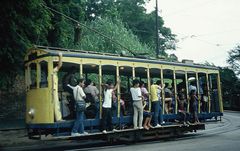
[
  {"x": 182, "y": 105},
  {"x": 80, "y": 104},
  {"x": 147, "y": 114},
  {"x": 57, "y": 110},
  {"x": 194, "y": 106},
  {"x": 107, "y": 105},
  {"x": 156, "y": 88},
  {"x": 137, "y": 105}
]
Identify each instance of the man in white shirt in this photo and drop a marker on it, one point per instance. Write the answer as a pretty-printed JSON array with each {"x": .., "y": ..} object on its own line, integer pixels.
[
  {"x": 107, "y": 106},
  {"x": 192, "y": 87},
  {"x": 79, "y": 95}
]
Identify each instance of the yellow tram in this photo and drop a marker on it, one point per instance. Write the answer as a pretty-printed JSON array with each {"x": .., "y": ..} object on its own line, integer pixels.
[{"x": 40, "y": 62}]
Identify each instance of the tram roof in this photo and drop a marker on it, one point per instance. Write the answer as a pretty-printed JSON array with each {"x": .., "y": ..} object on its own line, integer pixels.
[{"x": 53, "y": 51}]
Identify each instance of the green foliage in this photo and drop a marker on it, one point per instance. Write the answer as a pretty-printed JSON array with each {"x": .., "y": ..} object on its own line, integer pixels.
[
  {"x": 138, "y": 21},
  {"x": 234, "y": 59},
  {"x": 28, "y": 22},
  {"x": 116, "y": 31},
  {"x": 23, "y": 23},
  {"x": 144, "y": 25},
  {"x": 100, "y": 9},
  {"x": 230, "y": 82},
  {"x": 63, "y": 31}
]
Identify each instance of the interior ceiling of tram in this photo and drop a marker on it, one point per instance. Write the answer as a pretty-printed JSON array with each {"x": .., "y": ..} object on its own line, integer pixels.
[{"x": 127, "y": 71}]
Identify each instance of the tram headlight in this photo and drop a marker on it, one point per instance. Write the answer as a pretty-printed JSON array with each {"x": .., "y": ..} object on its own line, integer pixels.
[{"x": 31, "y": 112}]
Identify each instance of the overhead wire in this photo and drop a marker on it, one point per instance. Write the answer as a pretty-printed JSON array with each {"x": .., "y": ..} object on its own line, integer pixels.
[{"x": 190, "y": 7}]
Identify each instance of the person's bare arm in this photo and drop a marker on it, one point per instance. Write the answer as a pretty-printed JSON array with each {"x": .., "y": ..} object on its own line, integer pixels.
[
  {"x": 59, "y": 61},
  {"x": 104, "y": 85},
  {"x": 116, "y": 86},
  {"x": 161, "y": 87}
]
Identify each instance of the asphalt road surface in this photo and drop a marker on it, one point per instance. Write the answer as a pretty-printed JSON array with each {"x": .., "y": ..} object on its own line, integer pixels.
[{"x": 220, "y": 136}]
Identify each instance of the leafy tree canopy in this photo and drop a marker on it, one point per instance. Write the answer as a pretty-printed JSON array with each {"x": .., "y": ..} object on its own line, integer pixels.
[
  {"x": 142, "y": 24},
  {"x": 115, "y": 31},
  {"x": 230, "y": 82},
  {"x": 234, "y": 59},
  {"x": 28, "y": 22},
  {"x": 22, "y": 23}
]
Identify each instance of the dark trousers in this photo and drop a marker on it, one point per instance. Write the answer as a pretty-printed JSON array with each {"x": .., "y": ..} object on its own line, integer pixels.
[{"x": 107, "y": 119}]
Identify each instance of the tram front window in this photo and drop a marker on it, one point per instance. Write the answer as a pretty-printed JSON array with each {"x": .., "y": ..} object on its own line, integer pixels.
[
  {"x": 44, "y": 74},
  {"x": 33, "y": 75}
]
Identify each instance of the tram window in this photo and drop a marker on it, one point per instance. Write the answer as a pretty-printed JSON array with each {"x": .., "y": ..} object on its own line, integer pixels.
[
  {"x": 91, "y": 73},
  {"x": 203, "y": 90},
  {"x": 68, "y": 74},
  {"x": 214, "y": 92},
  {"x": 33, "y": 75},
  {"x": 169, "y": 91},
  {"x": 126, "y": 78},
  {"x": 44, "y": 74},
  {"x": 126, "y": 75},
  {"x": 192, "y": 82}
]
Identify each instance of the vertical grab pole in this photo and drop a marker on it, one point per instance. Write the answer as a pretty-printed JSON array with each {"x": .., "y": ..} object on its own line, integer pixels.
[
  {"x": 188, "y": 99},
  {"x": 81, "y": 69},
  {"x": 198, "y": 88},
  {"x": 118, "y": 91},
  {"x": 27, "y": 77},
  {"x": 149, "y": 88},
  {"x": 51, "y": 86},
  {"x": 163, "y": 92},
  {"x": 133, "y": 72},
  {"x": 208, "y": 93},
  {"x": 219, "y": 93},
  {"x": 175, "y": 91},
  {"x": 100, "y": 90},
  {"x": 38, "y": 77}
]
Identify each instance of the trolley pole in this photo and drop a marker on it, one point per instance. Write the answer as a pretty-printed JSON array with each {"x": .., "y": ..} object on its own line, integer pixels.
[{"x": 157, "y": 36}]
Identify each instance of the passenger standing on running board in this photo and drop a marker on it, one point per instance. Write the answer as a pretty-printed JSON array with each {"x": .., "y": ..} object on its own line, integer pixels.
[
  {"x": 137, "y": 105},
  {"x": 156, "y": 103},
  {"x": 107, "y": 106}
]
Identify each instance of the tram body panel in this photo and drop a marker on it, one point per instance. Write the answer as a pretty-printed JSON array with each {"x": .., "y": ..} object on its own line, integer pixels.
[{"x": 39, "y": 101}]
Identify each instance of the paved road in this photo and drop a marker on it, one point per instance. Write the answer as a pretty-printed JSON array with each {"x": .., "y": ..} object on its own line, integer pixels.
[
  {"x": 218, "y": 136},
  {"x": 221, "y": 136}
]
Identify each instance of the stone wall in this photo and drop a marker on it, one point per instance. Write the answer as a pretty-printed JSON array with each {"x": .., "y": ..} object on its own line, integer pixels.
[{"x": 12, "y": 101}]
